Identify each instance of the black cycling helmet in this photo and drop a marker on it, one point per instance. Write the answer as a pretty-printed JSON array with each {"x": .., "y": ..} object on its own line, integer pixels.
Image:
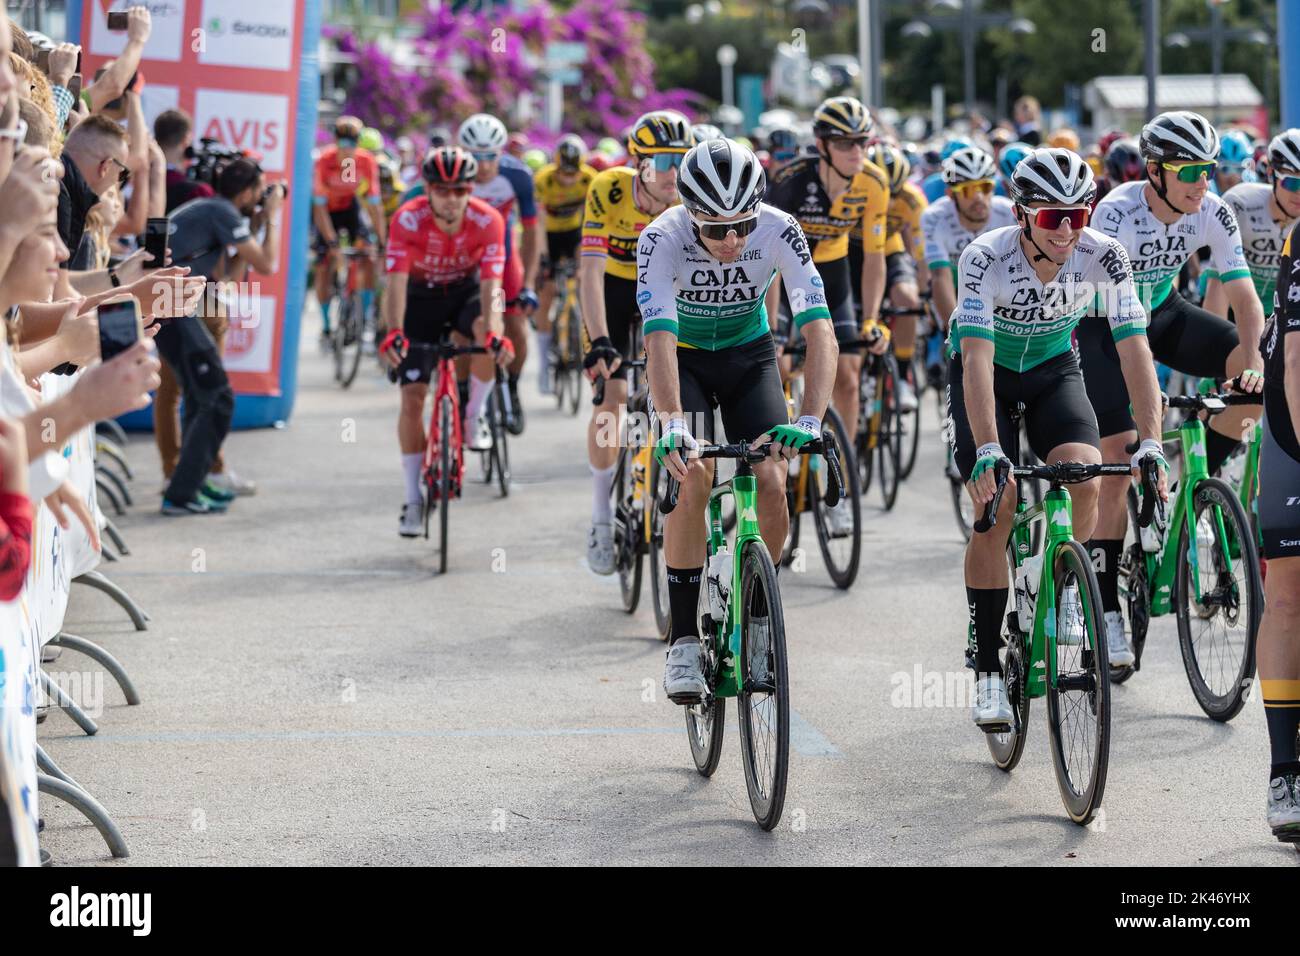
[
  {"x": 782, "y": 140},
  {"x": 569, "y": 151},
  {"x": 1123, "y": 161},
  {"x": 660, "y": 131},
  {"x": 448, "y": 164}
]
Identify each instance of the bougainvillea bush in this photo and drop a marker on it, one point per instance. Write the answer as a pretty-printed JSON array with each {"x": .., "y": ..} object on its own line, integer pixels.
[{"x": 468, "y": 61}]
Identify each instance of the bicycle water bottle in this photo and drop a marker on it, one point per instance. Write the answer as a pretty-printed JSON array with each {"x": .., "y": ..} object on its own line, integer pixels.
[
  {"x": 1027, "y": 580},
  {"x": 719, "y": 580}
]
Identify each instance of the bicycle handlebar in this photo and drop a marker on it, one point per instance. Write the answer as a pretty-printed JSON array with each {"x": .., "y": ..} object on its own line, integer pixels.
[
  {"x": 598, "y": 386},
  {"x": 1062, "y": 473},
  {"x": 825, "y": 446}
]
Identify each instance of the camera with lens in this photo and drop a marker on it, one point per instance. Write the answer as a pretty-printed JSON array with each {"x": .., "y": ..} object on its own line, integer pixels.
[
  {"x": 210, "y": 159},
  {"x": 271, "y": 188}
]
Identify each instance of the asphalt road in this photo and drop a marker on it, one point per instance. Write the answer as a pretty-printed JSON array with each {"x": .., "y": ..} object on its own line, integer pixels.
[{"x": 314, "y": 694}]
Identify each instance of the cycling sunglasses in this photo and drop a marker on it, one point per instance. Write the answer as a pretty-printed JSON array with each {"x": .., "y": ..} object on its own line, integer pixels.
[
  {"x": 720, "y": 230},
  {"x": 1051, "y": 219},
  {"x": 1192, "y": 172},
  {"x": 1290, "y": 183},
  {"x": 844, "y": 144},
  {"x": 488, "y": 157},
  {"x": 346, "y": 142},
  {"x": 444, "y": 189},
  {"x": 983, "y": 187},
  {"x": 666, "y": 161}
]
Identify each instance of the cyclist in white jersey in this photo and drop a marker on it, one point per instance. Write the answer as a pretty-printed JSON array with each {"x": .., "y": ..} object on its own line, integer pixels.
[
  {"x": 1265, "y": 211},
  {"x": 1024, "y": 289},
  {"x": 704, "y": 269},
  {"x": 1161, "y": 222},
  {"x": 967, "y": 209}
]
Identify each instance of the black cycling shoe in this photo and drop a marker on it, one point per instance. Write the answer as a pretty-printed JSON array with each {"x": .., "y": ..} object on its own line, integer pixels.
[{"x": 515, "y": 420}]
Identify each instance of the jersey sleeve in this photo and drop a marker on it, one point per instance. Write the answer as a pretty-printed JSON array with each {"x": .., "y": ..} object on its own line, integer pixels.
[
  {"x": 973, "y": 317},
  {"x": 803, "y": 284},
  {"x": 319, "y": 196},
  {"x": 402, "y": 249},
  {"x": 595, "y": 224},
  {"x": 936, "y": 256},
  {"x": 522, "y": 181},
  {"x": 874, "y": 218},
  {"x": 371, "y": 174},
  {"x": 493, "y": 262},
  {"x": 1119, "y": 298},
  {"x": 1224, "y": 235},
  {"x": 915, "y": 209},
  {"x": 655, "y": 294}
]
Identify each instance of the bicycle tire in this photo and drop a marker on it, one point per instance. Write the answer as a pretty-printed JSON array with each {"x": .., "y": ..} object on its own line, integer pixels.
[
  {"x": 706, "y": 722},
  {"x": 627, "y": 532},
  {"x": 348, "y": 354},
  {"x": 910, "y": 425},
  {"x": 766, "y": 761},
  {"x": 1090, "y": 680},
  {"x": 1006, "y": 748},
  {"x": 445, "y": 484},
  {"x": 575, "y": 358},
  {"x": 658, "y": 566},
  {"x": 500, "y": 450},
  {"x": 889, "y": 442},
  {"x": 1135, "y": 592},
  {"x": 1225, "y": 704},
  {"x": 337, "y": 333},
  {"x": 843, "y": 572}
]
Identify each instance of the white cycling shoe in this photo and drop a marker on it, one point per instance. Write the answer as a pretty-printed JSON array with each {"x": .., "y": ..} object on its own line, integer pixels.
[
  {"x": 600, "y": 548},
  {"x": 1284, "y": 807},
  {"x": 684, "y": 674},
  {"x": 411, "y": 524},
  {"x": 478, "y": 437},
  {"x": 1118, "y": 648},
  {"x": 906, "y": 396},
  {"x": 992, "y": 709},
  {"x": 839, "y": 520}
]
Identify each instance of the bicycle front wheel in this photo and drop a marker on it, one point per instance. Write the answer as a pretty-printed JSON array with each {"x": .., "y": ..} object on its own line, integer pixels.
[
  {"x": 445, "y": 484},
  {"x": 500, "y": 451},
  {"x": 658, "y": 566},
  {"x": 890, "y": 442},
  {"x": 1078, "y": 696},
  {"x": 347, "y": 354},
  {"x": 841, "y": 545},
  {"x": 1217, "y": 631},
  {"x": 764, "y": 699}
]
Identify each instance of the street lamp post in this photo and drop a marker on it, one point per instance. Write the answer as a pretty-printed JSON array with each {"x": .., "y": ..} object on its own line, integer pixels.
[{"x": 727, "y": 60}]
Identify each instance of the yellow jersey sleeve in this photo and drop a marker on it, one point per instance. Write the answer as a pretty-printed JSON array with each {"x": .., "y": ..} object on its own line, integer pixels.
[
  {"x": 612, "y": 222},
  {"x": 875, "y": 209}
]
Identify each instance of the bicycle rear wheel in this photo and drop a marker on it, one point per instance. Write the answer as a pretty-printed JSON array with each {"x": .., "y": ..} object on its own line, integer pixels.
[
  {"x": 575, "y": 357},
  {"x": 706, "y": 722},
  {"x": 1078, "y": 697},
  {"x": 1006, "y": 748},
  {"x": 909, "y": 424},
  {"x": 764, "y": 700},
  {"x": 628, "y": 531},
  {"x": 890, "y": 440},
  {"x": 1217, "y": 634},
  {"x": 499, "y": 454},
  {"x": 840, "y": 552},
  {"x": 658, "y": 483},
  {"x": 446, "y": 462},
  {"x": 347, "y": 353}
]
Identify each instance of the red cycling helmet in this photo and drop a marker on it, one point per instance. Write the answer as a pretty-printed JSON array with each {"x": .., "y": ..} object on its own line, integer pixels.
[{"x": 448, "y": 164}]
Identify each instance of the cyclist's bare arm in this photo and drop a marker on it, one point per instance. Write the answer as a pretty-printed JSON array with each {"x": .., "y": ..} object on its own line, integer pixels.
[
  {"x": 873, "y": 284},
  {"x": 819, "y": 367},
  {"x": 532, "y": 253},
  {"x": 394, "y": 302},
  {"x": 1249, "y": 313},
  {"x": 591, "y": 293},
  {"x": 1215, "y": 301},
  {"x": 1139, "y": 370},
  {"x": 944, "y": 295},
  {"x": 977, "y": 379},
  {"x": 321, "y": 216}
]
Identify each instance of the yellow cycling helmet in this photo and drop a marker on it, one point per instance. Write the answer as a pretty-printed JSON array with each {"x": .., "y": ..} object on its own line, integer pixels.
[
  {"x": 842, "y": 116},
  {"x": 660, "y": 131},
  {"x": 371, "y": 139},
  {"x": 892, "y": 162}
]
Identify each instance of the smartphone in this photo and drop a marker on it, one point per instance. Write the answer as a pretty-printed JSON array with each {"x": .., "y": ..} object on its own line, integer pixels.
[
  {"x": 43, "y": 60},
  {"x": 74, "y": 87},
  {"x": 117, "y": 22},
  {"x": 119, "y": 326},
  {"x": 156, "y": 232}
]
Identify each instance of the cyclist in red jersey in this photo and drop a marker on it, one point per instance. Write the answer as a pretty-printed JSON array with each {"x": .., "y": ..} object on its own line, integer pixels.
[
  {"x": 341, "y": 170},
  {"x": 450, "y": 249}
]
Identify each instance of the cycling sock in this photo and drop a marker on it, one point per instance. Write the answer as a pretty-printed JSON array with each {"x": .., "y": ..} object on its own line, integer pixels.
[
  {"x": 513, "y": 380},
  {"x": 1217, "y": 449},
  {"x": 600, "y": 486},
  {"x": 411, "y": 465},
  {"x": 325, "y": 317},
  {"x": 478, "y": 393},
  {"x": 904, "y": 355},
  {"x": 543, "y": 352},
  {"x": 683, "y": 599},
  {"x": 1282, "y": 711},
  {"x": 1108, "y": 572},
  {"x": 987, "y": 606}
]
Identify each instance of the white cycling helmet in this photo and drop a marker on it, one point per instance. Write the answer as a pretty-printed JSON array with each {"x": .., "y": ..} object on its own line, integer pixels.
[
  {"x": 1180, "y": 136},
  {"x": 1052, "y": 175},
  {"x": 968, "y": 164},
  {"x": 705, "y": 131},
  {"x": 482, "y": 133},
  {"x": 721, "y": 178},
  {"x": 1284, "y": 151}
]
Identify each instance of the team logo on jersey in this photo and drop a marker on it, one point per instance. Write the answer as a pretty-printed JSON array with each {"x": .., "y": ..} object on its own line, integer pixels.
[
  {"x": 795, "y": 240},
  {"x": 816, "y": 282},
  {"x": 643, "y": 297},
  {"x": 973, "y": 305},
  {"x": 1226, "y": 219},
  {"x": 652, "y": 313},
  {"x": 406, "y": 219}
]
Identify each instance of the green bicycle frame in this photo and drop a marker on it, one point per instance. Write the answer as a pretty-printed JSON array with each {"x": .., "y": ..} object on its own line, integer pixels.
[
  {"x": 1163, "y": 565},
  {"x": 1057, "y": 511},
  {"x": 744, "y": 488}
]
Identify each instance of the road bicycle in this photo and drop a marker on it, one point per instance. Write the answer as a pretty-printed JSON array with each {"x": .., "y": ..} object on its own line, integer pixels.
[
  {"x": 742, "y": 636},
  {"x": 1203, "y": 565},
  {"x": 1056, "y": 640},
  {"x": 442, "y": 476},
  {"x": 805, "y": 493},
  {"x": 355, "y": 312},
  {"x": 566, "y": 351},
  {"x": 909, "y": 423},
  {"x": 880, "y": 430}
]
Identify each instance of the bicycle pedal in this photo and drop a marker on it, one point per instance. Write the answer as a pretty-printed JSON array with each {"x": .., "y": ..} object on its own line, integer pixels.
[
  {"x": 1287, "y": 834},
  {"x": 687, "y": 700},
  {"x": 995, "y": 728}
]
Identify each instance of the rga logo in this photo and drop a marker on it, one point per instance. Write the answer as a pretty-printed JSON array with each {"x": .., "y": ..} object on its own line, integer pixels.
[
  {"x": 1227, "y": 220},
  {"x": 74, "y": 909}
]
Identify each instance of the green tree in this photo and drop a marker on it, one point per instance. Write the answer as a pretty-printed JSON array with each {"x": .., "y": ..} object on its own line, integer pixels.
[{"x": 685, "y": 53}]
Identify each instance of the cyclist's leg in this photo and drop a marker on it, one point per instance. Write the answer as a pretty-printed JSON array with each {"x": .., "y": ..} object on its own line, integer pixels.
[
  {"x": 326, "y": 263},
  {"x": 838, "y": 296},
  {"x": 516, "y": 321},
  {"x": 684, "y": 531},
  {"x": 1108, "y": 395},
  {"x": 1279, "y": 631},
  {"x": 1200, "y": 343},
  {"x": 471, "y": 326},
  {"x": 900, "y": 283},
  {"x": 752, "y": 401},
  {"x": 986, "y": 563},
  {"x": 422, "y": 323},
  {"x": 1062, "y": 427},
  {"x": 603, "y": 429}
]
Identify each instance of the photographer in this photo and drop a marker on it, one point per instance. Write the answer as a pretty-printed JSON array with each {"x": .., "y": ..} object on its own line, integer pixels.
[
  {"x": 202, "y": 232},
  {"x": 174, "y": 131}
]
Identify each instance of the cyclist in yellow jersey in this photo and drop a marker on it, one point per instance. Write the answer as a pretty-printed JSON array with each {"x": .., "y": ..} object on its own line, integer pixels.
[
  {"x": 904, "y": 258},
  {"x": 828, "y": 193},
  {"x": 561, "y": 189},
  {"x": 620, "y": 203}
]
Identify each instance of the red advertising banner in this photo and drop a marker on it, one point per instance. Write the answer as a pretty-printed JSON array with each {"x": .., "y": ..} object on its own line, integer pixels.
[{"x": 233, "y": 66}]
